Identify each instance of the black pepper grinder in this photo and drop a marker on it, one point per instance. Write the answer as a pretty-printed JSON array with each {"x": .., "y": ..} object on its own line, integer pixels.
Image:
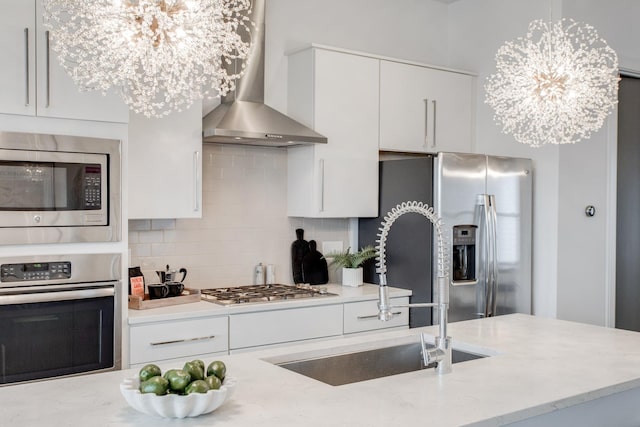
[{"x": 299, "y": 249}]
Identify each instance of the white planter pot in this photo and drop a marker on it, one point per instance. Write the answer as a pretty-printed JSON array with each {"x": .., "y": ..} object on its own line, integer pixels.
[{"x": 352, "y": 277}]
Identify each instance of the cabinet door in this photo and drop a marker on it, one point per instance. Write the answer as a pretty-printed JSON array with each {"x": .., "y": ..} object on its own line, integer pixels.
[
  {"x": 58, "y": 96},
  {"x": 18, "y": 47},
  {"x": 174, "y": 339},
  {"x": 424, "y": 109},
  {"x": 165, "y": 165},
  {"x": 340, "y": 178},
  {"x": 279, "y": 326},
  {"x": 363, "y": 316},
  {"x": 452, "y": 112}
]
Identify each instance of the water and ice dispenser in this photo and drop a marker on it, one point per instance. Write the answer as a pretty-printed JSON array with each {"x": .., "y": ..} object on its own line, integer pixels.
[{"x": 464, "y": 255}]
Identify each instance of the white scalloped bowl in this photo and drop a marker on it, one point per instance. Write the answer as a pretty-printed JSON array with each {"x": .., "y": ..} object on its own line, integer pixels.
[{"x": 173, "y": 405}]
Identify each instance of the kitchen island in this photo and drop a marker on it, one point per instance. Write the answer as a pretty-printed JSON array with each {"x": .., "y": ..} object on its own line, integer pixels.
[{"x": 539, "y": 372}]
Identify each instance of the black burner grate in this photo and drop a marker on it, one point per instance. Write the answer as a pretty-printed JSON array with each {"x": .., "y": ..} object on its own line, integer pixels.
[{"x": 261, "y": 293}]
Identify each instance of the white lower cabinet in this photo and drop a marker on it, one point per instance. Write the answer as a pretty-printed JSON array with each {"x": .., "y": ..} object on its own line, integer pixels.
[
  {"x": 363, "y": 316},
  {"x": 173, "y": 341},
  {"x": 152, "y": 342},
  {"x": 280, "y": 326}
]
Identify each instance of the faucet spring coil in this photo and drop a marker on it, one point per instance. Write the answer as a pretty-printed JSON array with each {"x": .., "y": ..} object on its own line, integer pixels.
[{"x": 424, "y": 210}]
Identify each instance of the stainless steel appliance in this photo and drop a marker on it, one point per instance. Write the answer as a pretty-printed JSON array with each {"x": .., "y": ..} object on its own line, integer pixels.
[
  {"x": 59, "y": 315},
  {"x": 57, "y": 188},
  {"x": 261, "y": 293},
  {"x": 486, "y": 206},
  {"x": 494, "y": 196},
  {"x": 243, "y": 117}
]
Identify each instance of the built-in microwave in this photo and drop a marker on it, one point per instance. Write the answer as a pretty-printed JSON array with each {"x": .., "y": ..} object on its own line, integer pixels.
[{"x": 56, "y": 188}]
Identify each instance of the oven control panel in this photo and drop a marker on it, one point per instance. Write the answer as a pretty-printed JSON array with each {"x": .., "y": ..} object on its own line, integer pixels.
[{"x": 34, "y": 271}]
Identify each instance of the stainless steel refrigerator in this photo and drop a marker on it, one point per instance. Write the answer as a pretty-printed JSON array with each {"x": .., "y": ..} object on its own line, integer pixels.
[{"x": 486, "y": 205}]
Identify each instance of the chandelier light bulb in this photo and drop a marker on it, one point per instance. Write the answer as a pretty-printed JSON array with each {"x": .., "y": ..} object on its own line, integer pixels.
[
  {"x": 159, "y": 55},
  {"x": 556, "y": 85}
]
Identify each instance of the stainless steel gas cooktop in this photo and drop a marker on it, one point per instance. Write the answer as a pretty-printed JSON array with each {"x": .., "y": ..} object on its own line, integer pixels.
[{"x": 261, "y": 293}]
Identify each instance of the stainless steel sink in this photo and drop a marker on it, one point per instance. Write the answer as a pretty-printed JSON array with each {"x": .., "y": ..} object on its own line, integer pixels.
[{"x": 365, "y": 365}]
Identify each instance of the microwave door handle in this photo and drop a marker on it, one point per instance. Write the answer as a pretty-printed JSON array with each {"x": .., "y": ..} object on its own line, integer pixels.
[{"x": 27, "y": 67}]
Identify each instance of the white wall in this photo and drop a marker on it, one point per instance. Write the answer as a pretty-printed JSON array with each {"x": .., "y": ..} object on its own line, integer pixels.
[{"x": 588, "y": 176}]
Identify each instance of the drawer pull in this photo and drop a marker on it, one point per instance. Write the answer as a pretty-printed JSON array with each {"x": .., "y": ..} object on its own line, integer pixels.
[
  {"x": 375, "y": 316},
  {"x": 184, "y": 340}
]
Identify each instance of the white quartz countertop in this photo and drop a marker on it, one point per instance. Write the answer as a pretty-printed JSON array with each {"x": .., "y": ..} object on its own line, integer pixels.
[
  {"x": 344, "y": 294},
  {"x": 538, "y": 366}
]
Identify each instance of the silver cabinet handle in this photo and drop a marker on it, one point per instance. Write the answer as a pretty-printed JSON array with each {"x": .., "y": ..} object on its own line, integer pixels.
[
  {"x": 433, "y": 140},
  {"x": 26, "y": 66},
  {"x": 196, "y": 180},
  {"x": 47, "y": 70},
  {"x": 186, "y": 340},
  {"x": 321, "y": 185},
  {"x": 375, "y": 316},
  {"x": 426, "y": 122}
]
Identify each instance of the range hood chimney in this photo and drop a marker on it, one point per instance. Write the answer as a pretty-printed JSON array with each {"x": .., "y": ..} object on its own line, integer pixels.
[{"x": 242, "y": 117}]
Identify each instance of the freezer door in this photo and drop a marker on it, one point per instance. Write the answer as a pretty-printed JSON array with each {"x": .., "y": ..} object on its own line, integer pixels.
[
  {"x": 509, "y": 180},
  {"x": 459, "y": 182}
]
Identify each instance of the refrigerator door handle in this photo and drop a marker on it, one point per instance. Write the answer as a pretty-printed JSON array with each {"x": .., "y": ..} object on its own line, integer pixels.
[
  {"x": 485, "y": 262},
  {"x": 493, "y": 261}
]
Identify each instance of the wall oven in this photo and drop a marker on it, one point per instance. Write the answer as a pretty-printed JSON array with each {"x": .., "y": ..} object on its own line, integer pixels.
[
  {"x": 59, "y": 315},
  {"x": 57, "y": 188}
]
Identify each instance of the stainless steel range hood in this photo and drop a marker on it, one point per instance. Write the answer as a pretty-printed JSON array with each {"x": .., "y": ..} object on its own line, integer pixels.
[{"x": 242, "y": 117}]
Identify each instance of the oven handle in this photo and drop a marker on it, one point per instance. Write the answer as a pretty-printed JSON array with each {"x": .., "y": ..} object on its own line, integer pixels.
[{"x": 56, "y": 296}]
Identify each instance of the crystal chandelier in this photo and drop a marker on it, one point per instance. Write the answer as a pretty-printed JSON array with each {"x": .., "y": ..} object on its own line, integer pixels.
[
  {"x": 160, "y": 55},
  {"x": 554, "y": 86}
]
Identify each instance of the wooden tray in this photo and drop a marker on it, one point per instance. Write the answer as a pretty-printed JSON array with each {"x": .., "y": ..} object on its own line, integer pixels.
[{"x": 188, "y": 296}]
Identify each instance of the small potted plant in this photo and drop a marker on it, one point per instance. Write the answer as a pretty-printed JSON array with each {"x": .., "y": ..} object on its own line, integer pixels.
[{"x": 351, "y": 264}]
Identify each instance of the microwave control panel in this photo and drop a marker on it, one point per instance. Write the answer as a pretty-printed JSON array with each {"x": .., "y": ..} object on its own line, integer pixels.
[
  {"x": 35, "y": 271},
  {"x": 92, "y": 187}
]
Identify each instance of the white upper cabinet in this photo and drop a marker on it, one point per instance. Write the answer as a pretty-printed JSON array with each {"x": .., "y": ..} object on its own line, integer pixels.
[
  {"x": 425, "y": 109},
  {"x": 165, "y": 165},
  {"x": 336, "y": 94},
  {"x": 31, "y": 80}
]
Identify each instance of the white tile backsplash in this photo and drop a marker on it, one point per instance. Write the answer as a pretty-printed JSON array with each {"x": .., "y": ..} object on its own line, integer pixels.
[{"x": 244, "y": 222}]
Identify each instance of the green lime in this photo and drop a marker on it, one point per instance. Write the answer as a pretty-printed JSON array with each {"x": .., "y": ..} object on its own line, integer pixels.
[
  {"x": 218, "y": 369},
  {"x": 197, "y": 386},
  {"x": 156, "y": 385},
  {"x": 200, "y": 363},
  {"x": 149, "y": 371},
  {"x": 178, "y": 379},
  {"x": 213, "y": 382},
  {"x": 193, "y": 369}
]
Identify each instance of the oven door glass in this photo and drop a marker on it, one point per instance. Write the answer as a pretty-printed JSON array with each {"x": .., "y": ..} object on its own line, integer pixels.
[{"x": 49, "y": 339}]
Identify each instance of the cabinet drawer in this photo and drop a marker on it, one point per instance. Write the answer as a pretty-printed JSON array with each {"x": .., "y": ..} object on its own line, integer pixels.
[
  {"x": 170, "y": 340},
  {"x": 363, "y": 316},
  {"x": 271, "y": 327}
]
